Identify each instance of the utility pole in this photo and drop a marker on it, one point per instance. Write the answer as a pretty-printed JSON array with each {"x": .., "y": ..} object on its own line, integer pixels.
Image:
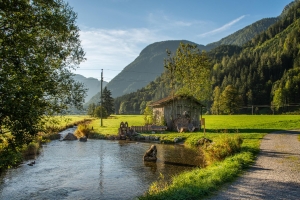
[{"x": 101, "y": 99}]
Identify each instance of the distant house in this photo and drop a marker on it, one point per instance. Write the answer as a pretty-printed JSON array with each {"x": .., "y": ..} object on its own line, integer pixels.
[{"x": 179, "y": 113}]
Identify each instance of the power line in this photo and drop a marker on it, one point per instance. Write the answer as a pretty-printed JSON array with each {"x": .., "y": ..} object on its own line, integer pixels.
[{"x": 127, "y": 71}]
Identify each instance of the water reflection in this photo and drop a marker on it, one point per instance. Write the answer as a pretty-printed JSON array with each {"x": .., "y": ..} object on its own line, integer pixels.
[
  {"x": 95, "y": 169},
  {"x": 152, "y": 166}
]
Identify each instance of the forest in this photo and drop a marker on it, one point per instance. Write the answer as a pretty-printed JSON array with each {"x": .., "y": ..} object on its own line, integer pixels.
[{"x": 262, "y": 74}]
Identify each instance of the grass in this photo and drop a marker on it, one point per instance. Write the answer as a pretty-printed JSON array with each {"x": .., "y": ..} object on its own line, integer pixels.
[{"x": 111, "y": 125}]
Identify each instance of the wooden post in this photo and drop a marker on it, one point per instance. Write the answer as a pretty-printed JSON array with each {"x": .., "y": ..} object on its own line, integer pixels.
[{"x": 203, "y": 123}]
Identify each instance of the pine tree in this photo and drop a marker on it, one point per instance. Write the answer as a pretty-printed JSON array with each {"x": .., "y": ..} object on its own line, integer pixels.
[{"x": 108, "y": 101}]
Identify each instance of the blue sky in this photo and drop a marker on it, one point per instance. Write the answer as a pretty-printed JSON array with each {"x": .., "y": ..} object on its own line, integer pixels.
[{"x": 114, "y": 32}]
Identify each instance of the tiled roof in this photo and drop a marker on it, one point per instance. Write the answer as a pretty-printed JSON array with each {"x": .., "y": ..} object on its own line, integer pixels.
[{"x": 170, "y": 98}]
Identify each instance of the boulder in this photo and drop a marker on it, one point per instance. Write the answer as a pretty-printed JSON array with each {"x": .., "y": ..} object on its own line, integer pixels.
[
  {"x": 70, "y": 136},
  {"x": 150, "y": 154},
  {"x": 83, "y": 139},
  {"x": 177, "y": 139},
  {"x": 203, "y": 142}
]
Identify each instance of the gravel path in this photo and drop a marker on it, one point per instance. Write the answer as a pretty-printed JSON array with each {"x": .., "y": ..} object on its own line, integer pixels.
[{"x": 275, "y": 174}]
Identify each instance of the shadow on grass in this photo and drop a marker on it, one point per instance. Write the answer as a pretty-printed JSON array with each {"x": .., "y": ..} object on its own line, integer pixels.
[{"x": 249, "y": 131}]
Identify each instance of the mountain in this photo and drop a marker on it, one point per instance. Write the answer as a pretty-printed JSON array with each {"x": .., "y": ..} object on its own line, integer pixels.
[
  {"x": 149, "y": 64},
  {"x": 265, "y": 70},
  {"x": 244, "y": 35},
  {"x": 92, "y": 84},
  {"x": 145, "y": 68}
]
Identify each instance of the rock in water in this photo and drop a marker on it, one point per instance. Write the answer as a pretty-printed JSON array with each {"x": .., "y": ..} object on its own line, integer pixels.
[
  {"x": 70, "y": 136},
  {"x": 150, "y": 154},
  {"x": 83, "y": 139}
]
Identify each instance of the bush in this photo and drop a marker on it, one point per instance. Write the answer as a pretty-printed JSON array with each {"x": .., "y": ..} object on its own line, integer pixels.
[
  {"x": 82, "y": 130},
  {"x": 32, "y": 149},
  {"x": 9, "y": 158},
  {"x": 222, "y": 147}
]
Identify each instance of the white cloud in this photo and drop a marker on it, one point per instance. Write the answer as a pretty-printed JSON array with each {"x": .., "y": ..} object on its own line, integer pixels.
[
  {"x": 223, "y": 28},
  {"x": 113, "y": 49},
  {"x": 160, "y": 19}
]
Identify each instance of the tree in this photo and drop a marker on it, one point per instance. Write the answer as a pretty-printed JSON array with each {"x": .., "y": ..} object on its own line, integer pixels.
[
  {"x": 97, "y": 112},
  {"x": 108, "y": 101},
  {"x": 39, "y": 45},
  {"x": 216, "y": 106},
  {"x": 230, "y": 100},
  {"x": 148, "y": 115},
  {"x": 91, "y": 109},
  {"x": 191, "y": 70}
]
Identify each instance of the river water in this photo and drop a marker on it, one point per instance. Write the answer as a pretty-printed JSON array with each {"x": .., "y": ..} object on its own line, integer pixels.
[{"x": 96, "y": 169}]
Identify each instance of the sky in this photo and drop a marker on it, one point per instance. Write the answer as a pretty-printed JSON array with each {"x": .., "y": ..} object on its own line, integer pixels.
[{"x": 114, "y": 32}]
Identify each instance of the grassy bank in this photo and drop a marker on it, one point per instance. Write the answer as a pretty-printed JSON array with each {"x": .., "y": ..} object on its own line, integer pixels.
[{"x": 54, "y": 125}]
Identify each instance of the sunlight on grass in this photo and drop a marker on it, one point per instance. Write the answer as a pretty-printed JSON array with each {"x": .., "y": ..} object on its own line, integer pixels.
[{"x": 111, "y": 125}]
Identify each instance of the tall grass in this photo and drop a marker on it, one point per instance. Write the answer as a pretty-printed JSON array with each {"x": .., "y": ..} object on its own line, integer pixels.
[
  {"x": 222, "y": 147},
  {"x": 82, "y": 131}
]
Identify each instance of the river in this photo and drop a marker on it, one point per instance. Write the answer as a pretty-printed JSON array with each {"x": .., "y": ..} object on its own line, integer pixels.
[{"x": 96, "y": 169}]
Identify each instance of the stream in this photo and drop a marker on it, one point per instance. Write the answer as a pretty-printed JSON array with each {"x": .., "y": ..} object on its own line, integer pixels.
[{"x": 96, "y": 169}]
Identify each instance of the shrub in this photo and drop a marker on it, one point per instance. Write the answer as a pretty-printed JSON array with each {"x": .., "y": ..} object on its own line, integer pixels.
[
  {"x": 222, "y": 147},
  {"x": 82, "y": 130},
  {"x": 31, "y": 149},
  {"x": 9, "y": 158}
]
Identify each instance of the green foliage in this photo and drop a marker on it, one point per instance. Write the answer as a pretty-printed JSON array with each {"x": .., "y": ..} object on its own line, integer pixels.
[
  {"x": 39, "y": 46},
  {"x": 148, "y": 116},
  {"x": 32, "y": 149},
  {"x": 287, "y": 89},
  {"x": 91, "y": 110},
  {"x": 230, "y": 100},
  {"x": 222, "y": 147},
  {"x": 189, "y": 70},
  {"x": 108, "y": 101},
  {"x": 9, "y": 158},
  {"x": 100, "y": 112},
  {"x": 216, "y": 106}
]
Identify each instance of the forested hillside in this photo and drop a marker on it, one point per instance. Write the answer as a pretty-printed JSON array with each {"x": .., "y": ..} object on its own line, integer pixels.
[
  {"x": 265, "y": 71},
  {"x": 149, "y": 64},
  {"x": 244, "y": 35},
  {"x": 262, "y": 62}
]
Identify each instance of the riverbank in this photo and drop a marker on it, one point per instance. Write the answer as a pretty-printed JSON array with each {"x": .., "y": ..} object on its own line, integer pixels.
[{"x": 54, "y": 125}]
